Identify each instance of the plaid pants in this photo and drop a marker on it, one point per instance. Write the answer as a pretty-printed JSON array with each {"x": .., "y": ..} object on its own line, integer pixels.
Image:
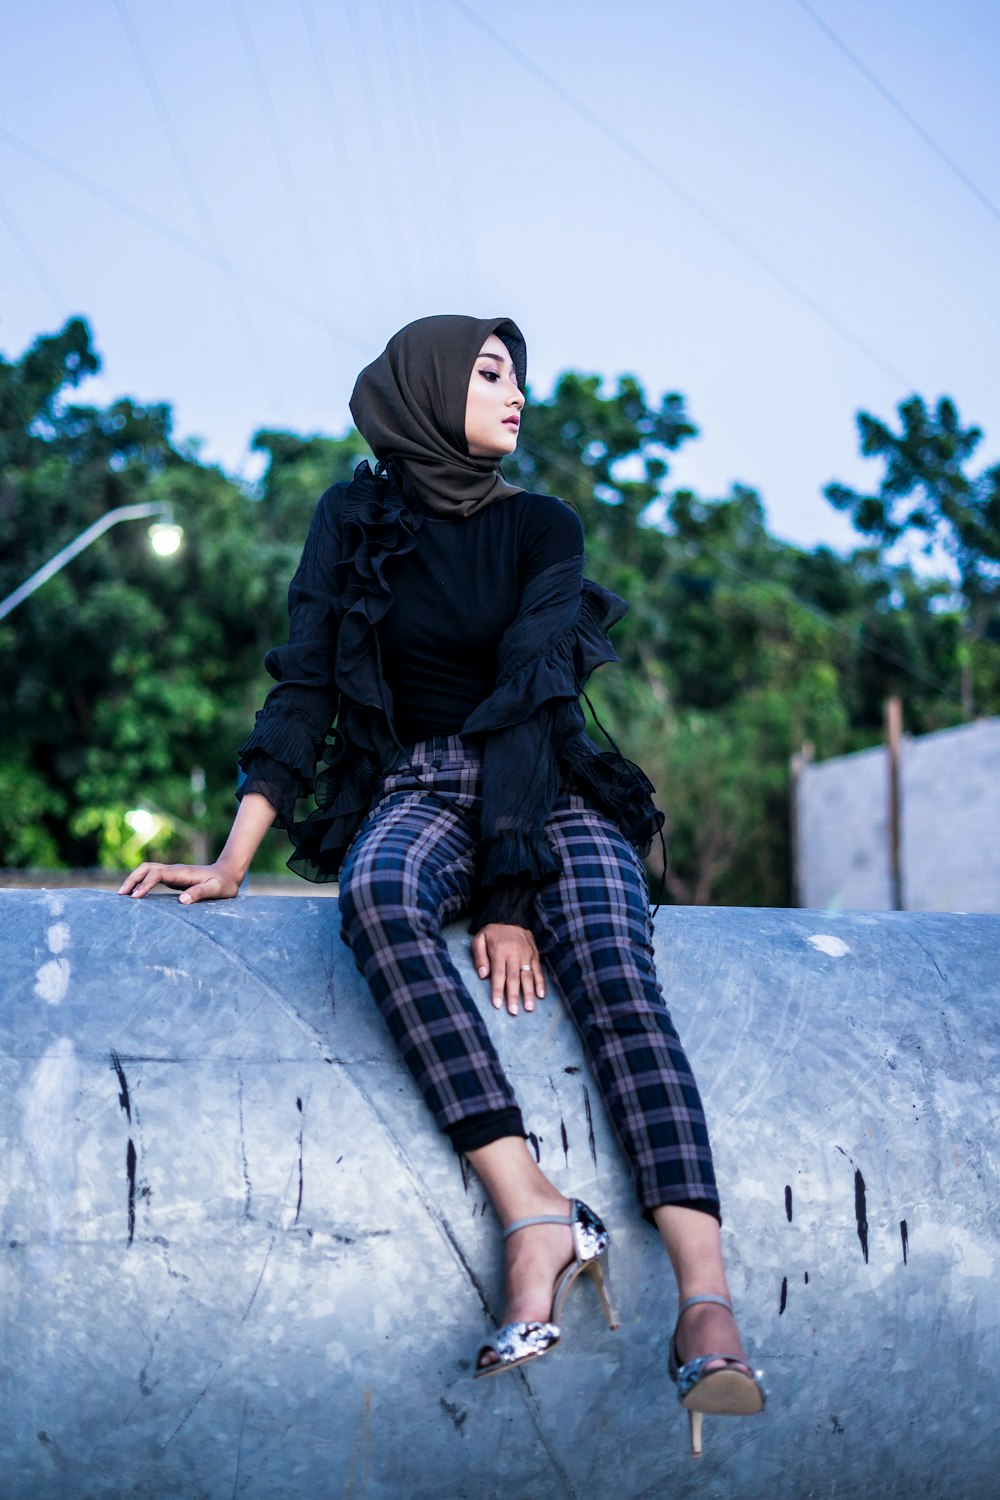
[{"x": 410, "y": 870}]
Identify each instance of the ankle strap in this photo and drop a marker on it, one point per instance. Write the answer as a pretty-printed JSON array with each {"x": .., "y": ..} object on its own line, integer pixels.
[
  {"x": 705, "y": 1297},
  {"x": 540, "y": 1219}
]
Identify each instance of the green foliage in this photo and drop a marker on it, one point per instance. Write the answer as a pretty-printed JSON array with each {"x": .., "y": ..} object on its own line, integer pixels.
[
  {"x": 927, "y": 493},
  {"x": 126, "y": 673}
]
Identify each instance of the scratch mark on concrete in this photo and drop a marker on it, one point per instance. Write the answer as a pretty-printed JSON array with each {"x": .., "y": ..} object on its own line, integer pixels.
[
  {"x": 208, "y": 1383},
  {"x": 130, "y": 1173},
  {"x": 860, "y": 1204},
  {"x": 904, "y": 1235},
  {"x": 260, "y": 1278},
  {"x": 927, "y": 954},
  {"x": 590, "y": 1123},
  {"x": 788, "y": 1203},
  {"x": 298, "y": 1205},
  {"x": 243, "y": 1152},
  {"x": 784, "y": 1296},
  {"x": 565, "y": 1140},
  {"x": 123, "y": 1096},
  {"x": 176, "y": 913},
  {"x": 861, "y": 1211},
  {"x": 239, "y": 1449},
  {"x": 457, "y": 1414}
]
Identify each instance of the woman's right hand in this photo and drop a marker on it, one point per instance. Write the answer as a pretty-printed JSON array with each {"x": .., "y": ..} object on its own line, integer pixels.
[{"x": 218, "y": 882}]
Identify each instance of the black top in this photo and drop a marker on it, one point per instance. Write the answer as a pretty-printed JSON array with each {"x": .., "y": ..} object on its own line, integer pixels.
[
  {"x": 454, "y": 595},
  {"x": 327, "y": 726}
]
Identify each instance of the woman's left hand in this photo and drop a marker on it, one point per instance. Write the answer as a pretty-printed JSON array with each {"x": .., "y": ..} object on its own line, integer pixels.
[{"x": 509, "y": 956}]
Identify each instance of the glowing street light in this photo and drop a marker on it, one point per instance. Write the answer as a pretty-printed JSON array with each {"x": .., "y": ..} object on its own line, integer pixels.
[
  {"x": 165, "y": 537},
  {"x": 144, "y": 823}
]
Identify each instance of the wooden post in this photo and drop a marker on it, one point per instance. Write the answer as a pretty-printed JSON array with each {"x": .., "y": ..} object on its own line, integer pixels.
[
  {"x": 893, "y": 736},
  {"x": 797, "y": 765}
]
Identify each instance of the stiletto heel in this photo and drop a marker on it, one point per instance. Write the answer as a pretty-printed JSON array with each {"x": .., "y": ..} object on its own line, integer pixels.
[
  {"x": 516, "y": 1343},
  {"x": 602, "y": 1280},
  {"x": 732, "y": 1390}
]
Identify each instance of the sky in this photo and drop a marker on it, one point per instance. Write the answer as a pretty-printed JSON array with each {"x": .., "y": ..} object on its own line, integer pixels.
[{"x": 787, "y": 212}]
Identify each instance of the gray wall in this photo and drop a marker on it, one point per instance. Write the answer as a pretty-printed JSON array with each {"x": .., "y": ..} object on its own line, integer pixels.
[
  {"x": 950, "y": 825},
  {"x": 237, "y": 1260}
]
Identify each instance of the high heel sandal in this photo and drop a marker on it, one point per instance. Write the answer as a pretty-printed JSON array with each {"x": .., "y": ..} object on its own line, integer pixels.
[
  {"x": 733, "y": 1391},
  {"x": 515, "y": 1343}
]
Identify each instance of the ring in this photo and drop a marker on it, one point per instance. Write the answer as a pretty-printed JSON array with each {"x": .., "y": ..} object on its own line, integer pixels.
[{"x": 525, "y": 968}]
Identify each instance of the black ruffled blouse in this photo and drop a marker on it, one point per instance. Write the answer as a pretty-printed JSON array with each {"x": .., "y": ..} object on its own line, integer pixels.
[{"x": 326, "y": 728}]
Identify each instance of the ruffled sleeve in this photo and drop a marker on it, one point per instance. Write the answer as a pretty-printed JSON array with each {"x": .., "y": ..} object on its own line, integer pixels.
[
  {"x": 520, "y": 763},
  {"x": 280, "y": 756},
  {"x": 557, "y": 639}
]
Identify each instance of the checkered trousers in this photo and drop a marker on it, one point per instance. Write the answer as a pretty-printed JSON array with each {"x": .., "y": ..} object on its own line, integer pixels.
[{"x": 410, "y": 870}]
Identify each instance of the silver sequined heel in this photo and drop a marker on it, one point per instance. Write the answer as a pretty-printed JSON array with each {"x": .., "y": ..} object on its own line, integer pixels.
[
  {"x": 732, "y": 1391},
  {"x": 515, "y": 1343}
]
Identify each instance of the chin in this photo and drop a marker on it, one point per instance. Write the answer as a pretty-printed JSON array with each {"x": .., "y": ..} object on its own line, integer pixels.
[{"x": 498, "y": 448}]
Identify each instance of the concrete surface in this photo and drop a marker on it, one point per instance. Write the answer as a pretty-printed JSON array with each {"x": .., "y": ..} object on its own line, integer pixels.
[
  {"x": 949, "y": 825},
  {"x": 238, "y": 1261}
]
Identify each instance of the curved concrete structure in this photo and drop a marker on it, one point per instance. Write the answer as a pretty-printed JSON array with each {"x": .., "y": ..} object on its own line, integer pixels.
[{"x": 237, "y": 1260}]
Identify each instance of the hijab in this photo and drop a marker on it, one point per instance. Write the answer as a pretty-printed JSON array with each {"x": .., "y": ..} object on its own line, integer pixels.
[{"x": 409, "y": 406}]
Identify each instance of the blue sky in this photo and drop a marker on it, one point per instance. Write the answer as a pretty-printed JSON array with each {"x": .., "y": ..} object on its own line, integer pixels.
[{"x": 715, "y": 198}]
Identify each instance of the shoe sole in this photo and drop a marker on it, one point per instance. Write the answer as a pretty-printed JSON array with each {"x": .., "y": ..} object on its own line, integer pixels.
[
  {"x": 499, "y": 1366},
  {"x": 725, "y": 1393}
]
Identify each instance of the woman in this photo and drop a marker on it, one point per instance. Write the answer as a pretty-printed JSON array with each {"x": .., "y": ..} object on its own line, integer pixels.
[{"x": 441, "y": 622}]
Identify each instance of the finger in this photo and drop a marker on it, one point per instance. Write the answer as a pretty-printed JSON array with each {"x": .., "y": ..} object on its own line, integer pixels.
[
  {"x": 479, "y": 957},
  {"x": 528, "y": 987},
  {"x": 132, "y": 879},
  {"x": 149, "y": 881},
  {"x": 538, "y": 976},
  {"x": 205, "y": 890},
  {"x": 498, "y": 977},
  {"x": 513, "y": 986}
]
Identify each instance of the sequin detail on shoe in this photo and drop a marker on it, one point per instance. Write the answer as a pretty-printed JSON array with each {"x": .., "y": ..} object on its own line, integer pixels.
[
  {"x": 590, "y": 1237},
  {"x": 516, "y": 1342}
]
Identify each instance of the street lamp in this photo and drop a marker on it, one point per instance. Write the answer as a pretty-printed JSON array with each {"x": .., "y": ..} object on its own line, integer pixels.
[{"x": 165, "y": 537}]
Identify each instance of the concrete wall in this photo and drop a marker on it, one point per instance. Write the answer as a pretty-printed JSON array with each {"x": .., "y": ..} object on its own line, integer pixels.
[
  {"x": 950, "y": 825},
  {"x": 237, "y": 1260}
]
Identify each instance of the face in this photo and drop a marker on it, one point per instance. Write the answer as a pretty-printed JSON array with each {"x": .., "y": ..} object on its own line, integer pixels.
[{"x": 493, "y": 405}]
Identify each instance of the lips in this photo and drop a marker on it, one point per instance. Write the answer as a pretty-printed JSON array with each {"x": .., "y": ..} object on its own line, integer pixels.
[{"x": 514, "y": 422}]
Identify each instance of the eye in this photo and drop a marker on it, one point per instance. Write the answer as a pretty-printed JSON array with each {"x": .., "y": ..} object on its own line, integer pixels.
[{"x": 491, "y": 375}]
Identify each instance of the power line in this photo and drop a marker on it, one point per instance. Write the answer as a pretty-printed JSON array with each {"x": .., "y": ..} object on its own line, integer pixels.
[
  {"x": 688, "y": 199},
  {"x": 372, "y": 93},
  {"x": 280, "y": 150},
  {"x": 178, "y": 237},
  {"x": 434, "y": 93},
  {"x": 27, "y": 249},
  {"x": 201, "y": 208},
  {"x": 341, "y": 157},
  {"x": 427, "y": 208},
  {"x": 901, "y": 110}
]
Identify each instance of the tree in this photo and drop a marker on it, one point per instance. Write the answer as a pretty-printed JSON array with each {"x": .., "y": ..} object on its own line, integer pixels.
[
  {"x": 125, "y": 673},
  {"x": 927, "y": 492}
]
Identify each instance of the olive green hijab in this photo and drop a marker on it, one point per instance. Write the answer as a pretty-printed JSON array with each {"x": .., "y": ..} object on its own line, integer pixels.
[{"x": 409, "y": 406}]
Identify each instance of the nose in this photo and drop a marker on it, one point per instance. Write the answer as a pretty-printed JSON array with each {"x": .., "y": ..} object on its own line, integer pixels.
[{"x": 515, "y": 397}]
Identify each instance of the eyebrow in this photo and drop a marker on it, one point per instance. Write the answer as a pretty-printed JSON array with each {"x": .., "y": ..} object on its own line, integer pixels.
[{"x": 487, "y": 354}]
